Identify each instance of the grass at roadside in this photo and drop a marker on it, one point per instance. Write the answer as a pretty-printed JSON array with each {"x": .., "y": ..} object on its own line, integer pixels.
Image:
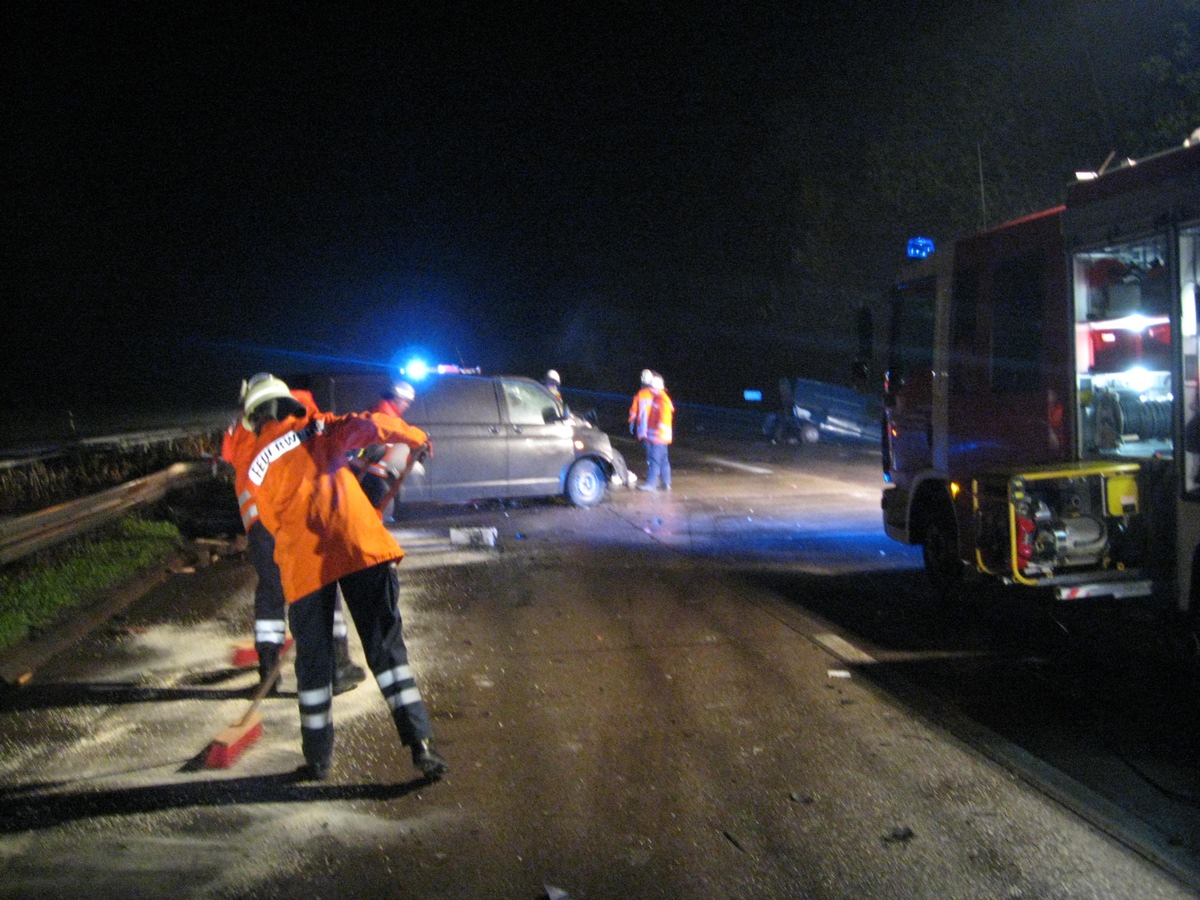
[{"x": 37, "y": 592}]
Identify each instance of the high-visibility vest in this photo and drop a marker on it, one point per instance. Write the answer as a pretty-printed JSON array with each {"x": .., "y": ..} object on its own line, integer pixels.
[{"x": 660, "y": 419}]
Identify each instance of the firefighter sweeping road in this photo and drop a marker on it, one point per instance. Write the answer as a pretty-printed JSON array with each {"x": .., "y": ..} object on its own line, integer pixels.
[{"x": 738, "y": 689}]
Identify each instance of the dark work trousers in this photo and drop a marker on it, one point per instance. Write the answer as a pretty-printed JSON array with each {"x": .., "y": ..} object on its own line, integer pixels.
[
  {"x": 658, "y": 464},
  {"x": 371, "y": 597},
  {"x": 270, "y": 626}
]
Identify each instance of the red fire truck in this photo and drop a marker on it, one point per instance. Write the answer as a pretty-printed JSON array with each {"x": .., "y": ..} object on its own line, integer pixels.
[{"x": 1041, "y": 395}]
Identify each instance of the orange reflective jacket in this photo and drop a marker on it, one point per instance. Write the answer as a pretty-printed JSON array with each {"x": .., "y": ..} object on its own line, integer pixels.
[{"x": 323, "y": 524}]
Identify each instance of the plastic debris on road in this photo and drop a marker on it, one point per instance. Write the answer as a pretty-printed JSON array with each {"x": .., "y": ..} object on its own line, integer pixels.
[{"x": 473, "y": 537}]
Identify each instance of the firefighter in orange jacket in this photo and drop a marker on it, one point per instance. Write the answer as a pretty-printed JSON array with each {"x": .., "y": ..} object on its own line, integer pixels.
[
  {"x": 375, "y": 464},
  {"x": 655, "y": 428},
  {"x": 270, "y": 627},
  {"x": 327, "y": 535}
]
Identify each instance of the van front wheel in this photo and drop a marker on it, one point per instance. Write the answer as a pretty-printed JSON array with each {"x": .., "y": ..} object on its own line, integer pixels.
[{"x": 585, "y": 483}]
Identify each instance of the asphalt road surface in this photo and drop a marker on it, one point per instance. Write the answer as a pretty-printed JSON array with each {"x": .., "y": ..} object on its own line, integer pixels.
[{"x": 732, "y": 690}]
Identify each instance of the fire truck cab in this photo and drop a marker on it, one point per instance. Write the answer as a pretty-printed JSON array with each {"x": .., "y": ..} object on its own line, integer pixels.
[{"x": 1041, "y": 388}]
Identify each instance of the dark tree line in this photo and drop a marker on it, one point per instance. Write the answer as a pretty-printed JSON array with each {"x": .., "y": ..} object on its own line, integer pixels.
[{"x": 958, "y": 117}]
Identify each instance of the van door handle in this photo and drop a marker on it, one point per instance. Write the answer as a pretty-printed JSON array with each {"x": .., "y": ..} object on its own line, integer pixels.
[
  {"x": 494, "y": 429},
  {"x": 517, "y": 429}
]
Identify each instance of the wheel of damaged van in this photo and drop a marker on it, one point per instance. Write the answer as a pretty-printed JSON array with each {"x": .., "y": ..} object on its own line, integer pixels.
[
  {"x": 585, "y": 483},
  {"x": 939, "y": 549},
  {"x": 809, "y": 433}
]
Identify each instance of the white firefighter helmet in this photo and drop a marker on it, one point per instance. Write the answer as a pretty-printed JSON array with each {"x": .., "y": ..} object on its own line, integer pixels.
[
  {"x": 402, "y": 390},
  {"x": 251, "y": 382},
  {"x": 552, "y": 375},
  {"x": 657, "y": 383},
  {"x": 260, "y": 390},
  {"x": 647, "y": 377}
]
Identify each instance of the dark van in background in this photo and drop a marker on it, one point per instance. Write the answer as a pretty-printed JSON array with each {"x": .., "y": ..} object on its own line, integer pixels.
[{"x": 816, "y": 410}]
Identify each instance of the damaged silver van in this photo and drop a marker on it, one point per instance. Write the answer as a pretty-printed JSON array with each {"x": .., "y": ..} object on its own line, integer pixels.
[{"x": 494, "y": 437}]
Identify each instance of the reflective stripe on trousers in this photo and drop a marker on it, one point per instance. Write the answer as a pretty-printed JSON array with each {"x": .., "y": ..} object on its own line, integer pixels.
[
  {"x": 399, "y": 687},
  {"x": 316, "y": 708},
  {"x": 269, "y": 631}
]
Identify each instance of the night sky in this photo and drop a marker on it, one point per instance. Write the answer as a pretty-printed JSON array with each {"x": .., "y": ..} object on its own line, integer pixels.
[
  {"x": 200, "y": 191},
  {"x": 195, "y": 182}
]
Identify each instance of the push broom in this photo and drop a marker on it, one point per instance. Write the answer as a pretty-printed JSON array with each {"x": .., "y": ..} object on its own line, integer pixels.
[{"x": 227, "y": 746}]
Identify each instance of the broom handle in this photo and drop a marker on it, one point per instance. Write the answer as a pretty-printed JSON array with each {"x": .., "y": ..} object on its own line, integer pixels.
[{"x": 265, "y": 687}]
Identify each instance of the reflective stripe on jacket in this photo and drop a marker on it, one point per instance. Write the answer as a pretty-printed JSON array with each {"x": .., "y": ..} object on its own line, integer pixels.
[
  {"x": 237, "y": 448},
  {"x": 324, "y": 526}
]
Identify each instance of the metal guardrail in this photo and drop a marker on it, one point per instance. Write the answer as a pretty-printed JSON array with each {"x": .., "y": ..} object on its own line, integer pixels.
[
  {"x": 12, "y": 457},
  {"x": 26, "y": 534}
]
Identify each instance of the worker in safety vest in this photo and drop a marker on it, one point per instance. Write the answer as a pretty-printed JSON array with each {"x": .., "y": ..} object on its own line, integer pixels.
[
  {"x": 380, "y": 465},
  {"x": 328, "y": 536},
  {"x": 655, "y": 428},
  {"x": 270, "y": 627}
]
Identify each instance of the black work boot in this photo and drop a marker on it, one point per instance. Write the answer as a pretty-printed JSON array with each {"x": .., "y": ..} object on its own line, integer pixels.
[
  {"x": 428, "y": 760},
  {"x": 312, "y": 771},
  {"x": 346, "y": 675}
]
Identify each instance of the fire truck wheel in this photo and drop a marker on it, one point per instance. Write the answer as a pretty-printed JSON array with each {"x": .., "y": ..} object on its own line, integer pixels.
[{"x": 939, "y": 548}]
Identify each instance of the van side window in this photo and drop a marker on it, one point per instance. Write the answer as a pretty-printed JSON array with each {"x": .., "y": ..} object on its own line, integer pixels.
[
  {"x": 455, "y": 401},
  {"x": 529, "y": 404}
]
